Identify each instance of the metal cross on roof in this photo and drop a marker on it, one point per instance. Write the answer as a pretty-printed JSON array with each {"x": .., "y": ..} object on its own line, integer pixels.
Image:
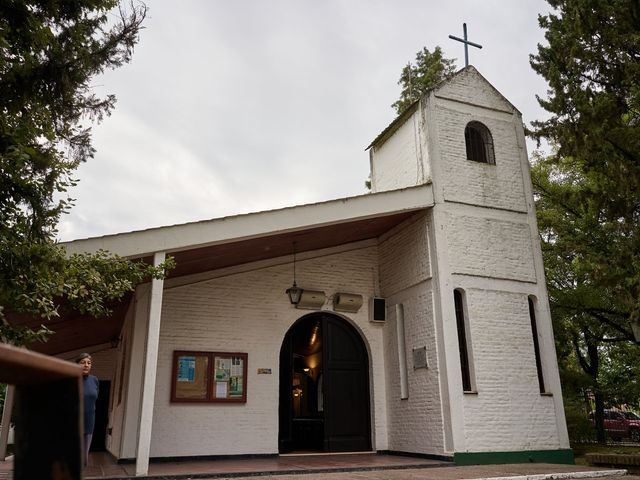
[{"x": 466, "y": 44}]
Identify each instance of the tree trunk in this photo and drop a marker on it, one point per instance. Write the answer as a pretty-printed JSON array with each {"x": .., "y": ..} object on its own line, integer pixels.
[
  {"x": 599, "y": 415},
  {"x": 594, "y": 364}
]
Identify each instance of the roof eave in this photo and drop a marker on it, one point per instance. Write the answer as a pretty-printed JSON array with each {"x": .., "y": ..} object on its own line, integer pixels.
[{"x": 230, "y": 229}]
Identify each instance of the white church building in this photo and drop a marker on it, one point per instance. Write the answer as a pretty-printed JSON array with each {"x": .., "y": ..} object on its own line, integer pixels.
[{"x": 422, "y": 324}]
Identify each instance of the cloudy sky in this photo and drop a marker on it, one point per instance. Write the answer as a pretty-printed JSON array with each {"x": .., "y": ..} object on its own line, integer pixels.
[{"x": 235, "y": 106}]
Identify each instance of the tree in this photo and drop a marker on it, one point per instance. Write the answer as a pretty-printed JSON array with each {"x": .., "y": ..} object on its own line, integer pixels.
[
  {"x": 589, "y": 317},
  {"x": 588, "y": 189},
  {"x": 429, "y": 70},
  {"x": 592, "y": 65},
  {"x": 49, "y": 53}
]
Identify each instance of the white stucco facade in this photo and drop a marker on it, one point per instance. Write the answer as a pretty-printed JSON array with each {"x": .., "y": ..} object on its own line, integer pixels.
[
  {"x": 468, "y": 226},
  {"x": 486, "y": 244}
]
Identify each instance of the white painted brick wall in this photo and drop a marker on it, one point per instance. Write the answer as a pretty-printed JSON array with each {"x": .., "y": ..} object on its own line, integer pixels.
[
  {"x": 404, "y": 256},
  {"x": 399, "y": 162},
  {"x": 216, "y": 315},
  {"x": 508, "y": 413},
  {"x": 415, "y": 424},
  {"x": 490, "y": 247},
  {"x": 470, "y": 87},
  {"x": 403, "y": 160},
  {"x": 488, "y": 230},
  {"x": 500, "y": 185}
]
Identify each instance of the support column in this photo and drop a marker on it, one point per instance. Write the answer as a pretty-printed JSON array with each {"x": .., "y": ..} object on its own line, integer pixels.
[
  {"x": 149, "y": 372},
  {"x": 6, "y": 421},
  {"x": 447, "y": 336}
]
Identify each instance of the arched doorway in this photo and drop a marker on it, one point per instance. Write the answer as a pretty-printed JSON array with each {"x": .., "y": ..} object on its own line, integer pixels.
[{"x": 324, "y": 387}]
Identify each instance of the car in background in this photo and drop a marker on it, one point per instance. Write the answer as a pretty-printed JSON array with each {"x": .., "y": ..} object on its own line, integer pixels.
[{"x": 621, "y": 425}]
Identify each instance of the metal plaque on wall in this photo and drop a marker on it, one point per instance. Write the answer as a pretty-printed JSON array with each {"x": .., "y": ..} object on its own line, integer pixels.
[{"x": 420, "y": 358}]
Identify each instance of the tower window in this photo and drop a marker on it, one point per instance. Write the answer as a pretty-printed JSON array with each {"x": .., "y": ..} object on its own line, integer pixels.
[
  {"x": 466, "y": 366},
  {"x": 536, "y": 344},
  {"x": 479, "y": 143}
]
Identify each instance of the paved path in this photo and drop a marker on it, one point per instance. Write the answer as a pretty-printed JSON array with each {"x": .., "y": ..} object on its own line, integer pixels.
[
  {"x": 346, "y": 467},
  {"x": 493, "y": 472}
]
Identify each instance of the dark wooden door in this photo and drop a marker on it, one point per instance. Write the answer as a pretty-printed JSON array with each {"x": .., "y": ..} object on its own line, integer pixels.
[
  {"x": 346, "y": 388},
  {"x": 285, "y": 410},
  {"x": 343, "y": 424},
  {"x": 102, "y": 417}
]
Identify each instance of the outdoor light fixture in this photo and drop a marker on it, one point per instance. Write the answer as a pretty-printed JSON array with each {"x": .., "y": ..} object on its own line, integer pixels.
[{"x": 294, "y": 291}]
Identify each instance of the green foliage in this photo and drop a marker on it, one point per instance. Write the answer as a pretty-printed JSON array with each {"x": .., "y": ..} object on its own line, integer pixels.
[
  {"x": 49, "y": 54},
  {"x": 620, "y": 375},
  {"x": 429, "y": 70},
  {"x": 41, "y": 279},
  {"x": 579, "y": 426},
  {"x": 581, "y": 247},
  {"x": 596, "y": 348},
  {"x": 592, "y": 65},
  {"x": 588, "y": 191}
]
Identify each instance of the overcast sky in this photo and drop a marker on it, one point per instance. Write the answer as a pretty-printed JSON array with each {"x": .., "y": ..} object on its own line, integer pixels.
[{"x": 239, "y": 106}]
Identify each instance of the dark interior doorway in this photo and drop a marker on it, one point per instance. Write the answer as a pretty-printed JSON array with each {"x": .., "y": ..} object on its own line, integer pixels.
[
  {"x": 324, "y": 387},
  {"x": 102, "y": 417}
]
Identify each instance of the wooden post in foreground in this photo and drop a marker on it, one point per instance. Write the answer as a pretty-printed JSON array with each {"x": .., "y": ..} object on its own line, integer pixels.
[{"x": 48, "y": 413}]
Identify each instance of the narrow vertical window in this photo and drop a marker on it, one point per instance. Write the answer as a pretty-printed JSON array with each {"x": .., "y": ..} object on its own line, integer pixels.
[
  {"x": 462, "y": 341},
  {"x": 402, "y": 352},
  {"x": 536, "y": 344}
]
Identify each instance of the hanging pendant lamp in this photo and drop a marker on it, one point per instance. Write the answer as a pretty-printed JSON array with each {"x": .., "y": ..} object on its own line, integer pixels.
[{"x": 294, "y": 292}]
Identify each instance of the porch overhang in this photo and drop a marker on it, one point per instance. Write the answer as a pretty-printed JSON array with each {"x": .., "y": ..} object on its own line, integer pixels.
[
  {"x": 226, "y": 242},
  {"x": 292, "y": 221}
]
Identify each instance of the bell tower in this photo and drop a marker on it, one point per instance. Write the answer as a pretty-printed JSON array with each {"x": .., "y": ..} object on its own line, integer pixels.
[{"x": 496, "y": 353}]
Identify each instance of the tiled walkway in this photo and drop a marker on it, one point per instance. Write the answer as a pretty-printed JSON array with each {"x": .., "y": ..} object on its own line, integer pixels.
[
  {"x": 104, "y": 467},
  {"x": 330, "y": 467}
]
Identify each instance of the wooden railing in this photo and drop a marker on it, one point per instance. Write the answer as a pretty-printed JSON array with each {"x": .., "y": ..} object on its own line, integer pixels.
[{"x": 47, "y": 411}]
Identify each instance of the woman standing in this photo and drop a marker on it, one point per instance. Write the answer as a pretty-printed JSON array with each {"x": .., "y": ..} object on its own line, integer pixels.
[{"x": 90, "y": 387}]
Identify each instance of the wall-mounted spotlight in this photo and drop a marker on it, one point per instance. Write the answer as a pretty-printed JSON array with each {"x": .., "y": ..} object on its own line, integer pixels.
[{"x": 347, "y": 302}]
